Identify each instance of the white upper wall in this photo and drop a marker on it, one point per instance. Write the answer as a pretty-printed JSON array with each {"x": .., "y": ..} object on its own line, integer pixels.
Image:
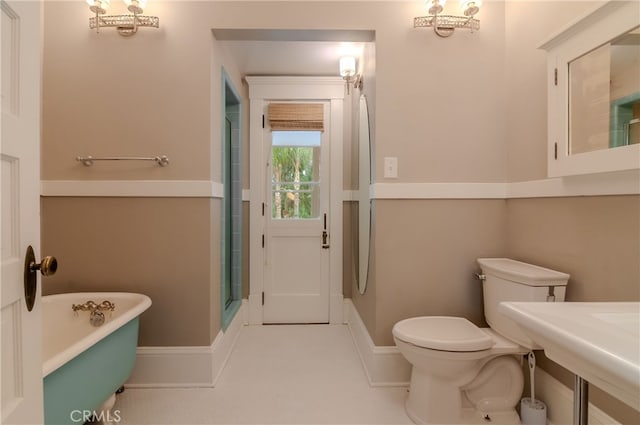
[{"x": 528, "y": 24}]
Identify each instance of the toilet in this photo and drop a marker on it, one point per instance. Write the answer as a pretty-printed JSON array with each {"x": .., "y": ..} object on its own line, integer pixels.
[{"x": 463, "y": 374}]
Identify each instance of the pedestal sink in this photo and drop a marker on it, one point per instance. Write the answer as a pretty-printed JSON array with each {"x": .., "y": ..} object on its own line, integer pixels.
[{"x": 597, "y": 341}]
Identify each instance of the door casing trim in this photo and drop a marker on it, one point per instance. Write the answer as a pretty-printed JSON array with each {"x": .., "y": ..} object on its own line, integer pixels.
[{"x": 263, "y": 90}]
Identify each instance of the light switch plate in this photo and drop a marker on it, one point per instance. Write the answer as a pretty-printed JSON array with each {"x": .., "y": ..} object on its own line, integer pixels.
[{"x": 391, "y": 167}]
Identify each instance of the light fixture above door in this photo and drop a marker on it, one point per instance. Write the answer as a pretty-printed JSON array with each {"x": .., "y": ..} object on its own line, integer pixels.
[
  {"x": 126, "y": 25},
  {"x": 348, "y": 73},
  {"x": 445, "y": 25}
]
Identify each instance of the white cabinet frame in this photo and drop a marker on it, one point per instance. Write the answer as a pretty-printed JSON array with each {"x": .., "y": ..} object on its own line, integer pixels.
[{"x": 593, "y": 30}]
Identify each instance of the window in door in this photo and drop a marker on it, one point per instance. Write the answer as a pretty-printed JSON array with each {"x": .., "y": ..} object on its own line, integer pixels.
[{"x": 295, "y": 175}]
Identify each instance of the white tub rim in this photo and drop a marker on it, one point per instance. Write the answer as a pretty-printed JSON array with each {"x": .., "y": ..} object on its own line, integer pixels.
[{"x": 55, "y": 362}]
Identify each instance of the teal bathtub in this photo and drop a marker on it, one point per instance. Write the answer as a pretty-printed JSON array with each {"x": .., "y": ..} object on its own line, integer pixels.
[{"x": 84, "y": 365}]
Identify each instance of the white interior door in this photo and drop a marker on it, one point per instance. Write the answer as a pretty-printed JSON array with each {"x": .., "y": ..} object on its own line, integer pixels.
[
  {"x": 296, "y": 272},
  {"x": 20, "y": 184}
]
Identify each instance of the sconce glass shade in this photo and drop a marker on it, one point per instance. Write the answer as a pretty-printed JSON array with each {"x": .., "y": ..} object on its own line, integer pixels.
[
  {"x": 135, "y": 6},
  {"x": 126, "y": 25},
  {"x": 98, "y": 6},
  {"x": 347, "y": 66},
  {"x": 445, "y": 25},
  {"x": 470, "y": 7},
  {"x": 435, "y": 6}
]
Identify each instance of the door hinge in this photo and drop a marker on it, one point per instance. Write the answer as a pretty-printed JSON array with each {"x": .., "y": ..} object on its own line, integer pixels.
[
  {"x": 263, "y": 209},
  {"x": 555, "y": 81},
  {"x": 263, "y": 298},
  {"x": 555, "y": 150},
  {"x": 262, "y": 120},
  {"x": 263, "y": 241}
]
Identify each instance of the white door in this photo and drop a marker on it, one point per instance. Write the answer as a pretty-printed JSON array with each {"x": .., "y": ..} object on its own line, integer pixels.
[
  {"x": 20, "y": 188},
  {"x": 297, "y": 240}
]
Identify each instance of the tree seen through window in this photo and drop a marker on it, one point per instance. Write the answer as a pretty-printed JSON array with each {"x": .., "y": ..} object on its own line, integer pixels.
[{"x": 294, "y": 179}]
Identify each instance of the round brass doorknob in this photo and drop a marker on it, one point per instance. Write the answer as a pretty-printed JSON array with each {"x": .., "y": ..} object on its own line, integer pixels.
[{"x": 47, "y": 267}]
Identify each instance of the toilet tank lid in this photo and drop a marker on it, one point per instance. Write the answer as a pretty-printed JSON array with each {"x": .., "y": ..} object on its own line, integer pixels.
[{"x": 523, "y": 273}]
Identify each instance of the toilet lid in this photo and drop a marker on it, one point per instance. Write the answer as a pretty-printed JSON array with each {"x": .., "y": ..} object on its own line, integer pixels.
[{"x": 442, "y": 333}]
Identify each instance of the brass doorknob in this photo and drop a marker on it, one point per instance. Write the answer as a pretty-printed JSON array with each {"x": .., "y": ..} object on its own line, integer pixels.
[{"x": 47, "y": 267}]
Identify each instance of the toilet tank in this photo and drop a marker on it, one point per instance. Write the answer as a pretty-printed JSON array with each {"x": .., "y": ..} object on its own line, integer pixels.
[{"x": 509, "y": 280}]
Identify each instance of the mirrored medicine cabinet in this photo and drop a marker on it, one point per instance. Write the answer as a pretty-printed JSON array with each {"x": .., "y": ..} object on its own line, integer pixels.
[{"x": 594, "y": 92}]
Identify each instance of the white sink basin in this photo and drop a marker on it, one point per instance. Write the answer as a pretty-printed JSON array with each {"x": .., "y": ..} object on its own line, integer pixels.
[{"x": 599, "y": 342}]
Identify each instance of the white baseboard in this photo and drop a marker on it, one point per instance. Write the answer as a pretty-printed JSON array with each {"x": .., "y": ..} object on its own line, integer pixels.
[
  {"x": 336, "y": 310},
  {"x": 384, "y": 366},
  {"x": 222, "y": 346},
  {"x": 185, "y": 367},
  {"x": 255, "y": 309},
  {"x": 559, "y": 401}
]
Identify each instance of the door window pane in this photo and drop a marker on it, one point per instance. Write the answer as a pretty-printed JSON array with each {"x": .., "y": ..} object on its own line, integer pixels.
[{"x": 295, "y": 174}]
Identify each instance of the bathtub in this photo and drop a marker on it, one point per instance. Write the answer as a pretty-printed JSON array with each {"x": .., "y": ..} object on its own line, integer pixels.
[{"x": 83, "y": 365}]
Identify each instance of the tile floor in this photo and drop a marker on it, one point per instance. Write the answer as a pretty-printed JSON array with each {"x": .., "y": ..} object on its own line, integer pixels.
[{"x": 290, "y": 374}]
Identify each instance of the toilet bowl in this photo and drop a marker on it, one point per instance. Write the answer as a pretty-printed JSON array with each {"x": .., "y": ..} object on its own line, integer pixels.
[{"x": 463, "y": 374}]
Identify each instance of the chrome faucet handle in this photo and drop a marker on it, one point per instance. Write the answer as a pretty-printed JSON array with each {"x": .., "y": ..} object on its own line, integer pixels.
[
  {"x": 106, "y": 305},
  {"x": 96, "y": 315},
  {"x": 93, "y": 306},
  {"x": 82, "y": 307},
  {"x": 96, "y": 318}
]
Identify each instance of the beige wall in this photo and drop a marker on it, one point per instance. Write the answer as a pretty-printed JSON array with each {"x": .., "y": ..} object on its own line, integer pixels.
[
  {"x": 439, "y": 103},
  {"x": 438, "y": 136},
  {"x": 433, "y": 106},
  {"x": 471, "y": 108},
  {"x": 367, "y": 303},
  {"x": 528, "y": 24},
  {"x": 110, "y": 95},
  {"x": 424, "y": 250},
  {"x": 139, "y": 245},
  {"x": 594, "y": 239},
  {"x": 426, "y": 253},
  {"x": 348, "y": 249},
  {"x": 158, "y": 93}
]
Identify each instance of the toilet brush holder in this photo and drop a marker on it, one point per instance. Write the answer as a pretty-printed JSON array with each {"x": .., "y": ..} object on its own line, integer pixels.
[{"x": 533, "y": 412}]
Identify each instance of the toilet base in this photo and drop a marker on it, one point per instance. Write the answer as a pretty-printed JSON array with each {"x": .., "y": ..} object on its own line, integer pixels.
[
  {"x": 471, "y": 416},
  {"x": 432, "y": 400},
  {"x": 475, "y": 417},
  {"x": 437, "y": 401}
]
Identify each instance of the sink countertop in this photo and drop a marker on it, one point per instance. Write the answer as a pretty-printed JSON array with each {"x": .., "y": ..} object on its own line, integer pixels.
[{"x": 598, "y": 341}]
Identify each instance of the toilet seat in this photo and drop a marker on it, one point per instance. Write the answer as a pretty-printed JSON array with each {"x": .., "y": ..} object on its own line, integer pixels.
[{"x": 443, "y": 333}]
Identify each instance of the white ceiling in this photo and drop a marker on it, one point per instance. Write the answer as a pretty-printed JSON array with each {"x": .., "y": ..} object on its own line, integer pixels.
[{"x": 291, "y": 52}]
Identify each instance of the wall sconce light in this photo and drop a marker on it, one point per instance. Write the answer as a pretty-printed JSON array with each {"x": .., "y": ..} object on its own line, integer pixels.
[
  {"x": 348, "y": 73},
  {"x": 445, "y": 25},
  {"x": 126, "y": 25}
]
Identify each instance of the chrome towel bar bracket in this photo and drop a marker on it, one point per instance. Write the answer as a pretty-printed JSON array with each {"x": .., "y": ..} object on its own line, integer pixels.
[{"x": 89, "y": 160}]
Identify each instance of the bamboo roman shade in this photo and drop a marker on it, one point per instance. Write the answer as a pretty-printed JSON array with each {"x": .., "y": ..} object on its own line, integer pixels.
[{"x": 296, "y": 116}]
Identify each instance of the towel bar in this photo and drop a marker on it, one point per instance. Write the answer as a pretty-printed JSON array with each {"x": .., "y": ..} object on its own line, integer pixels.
[{"x": 89, "y": 160}]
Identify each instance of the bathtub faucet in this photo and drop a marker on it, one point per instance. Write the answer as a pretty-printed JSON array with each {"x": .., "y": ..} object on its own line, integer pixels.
[{"x": 96, "y": 315}]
